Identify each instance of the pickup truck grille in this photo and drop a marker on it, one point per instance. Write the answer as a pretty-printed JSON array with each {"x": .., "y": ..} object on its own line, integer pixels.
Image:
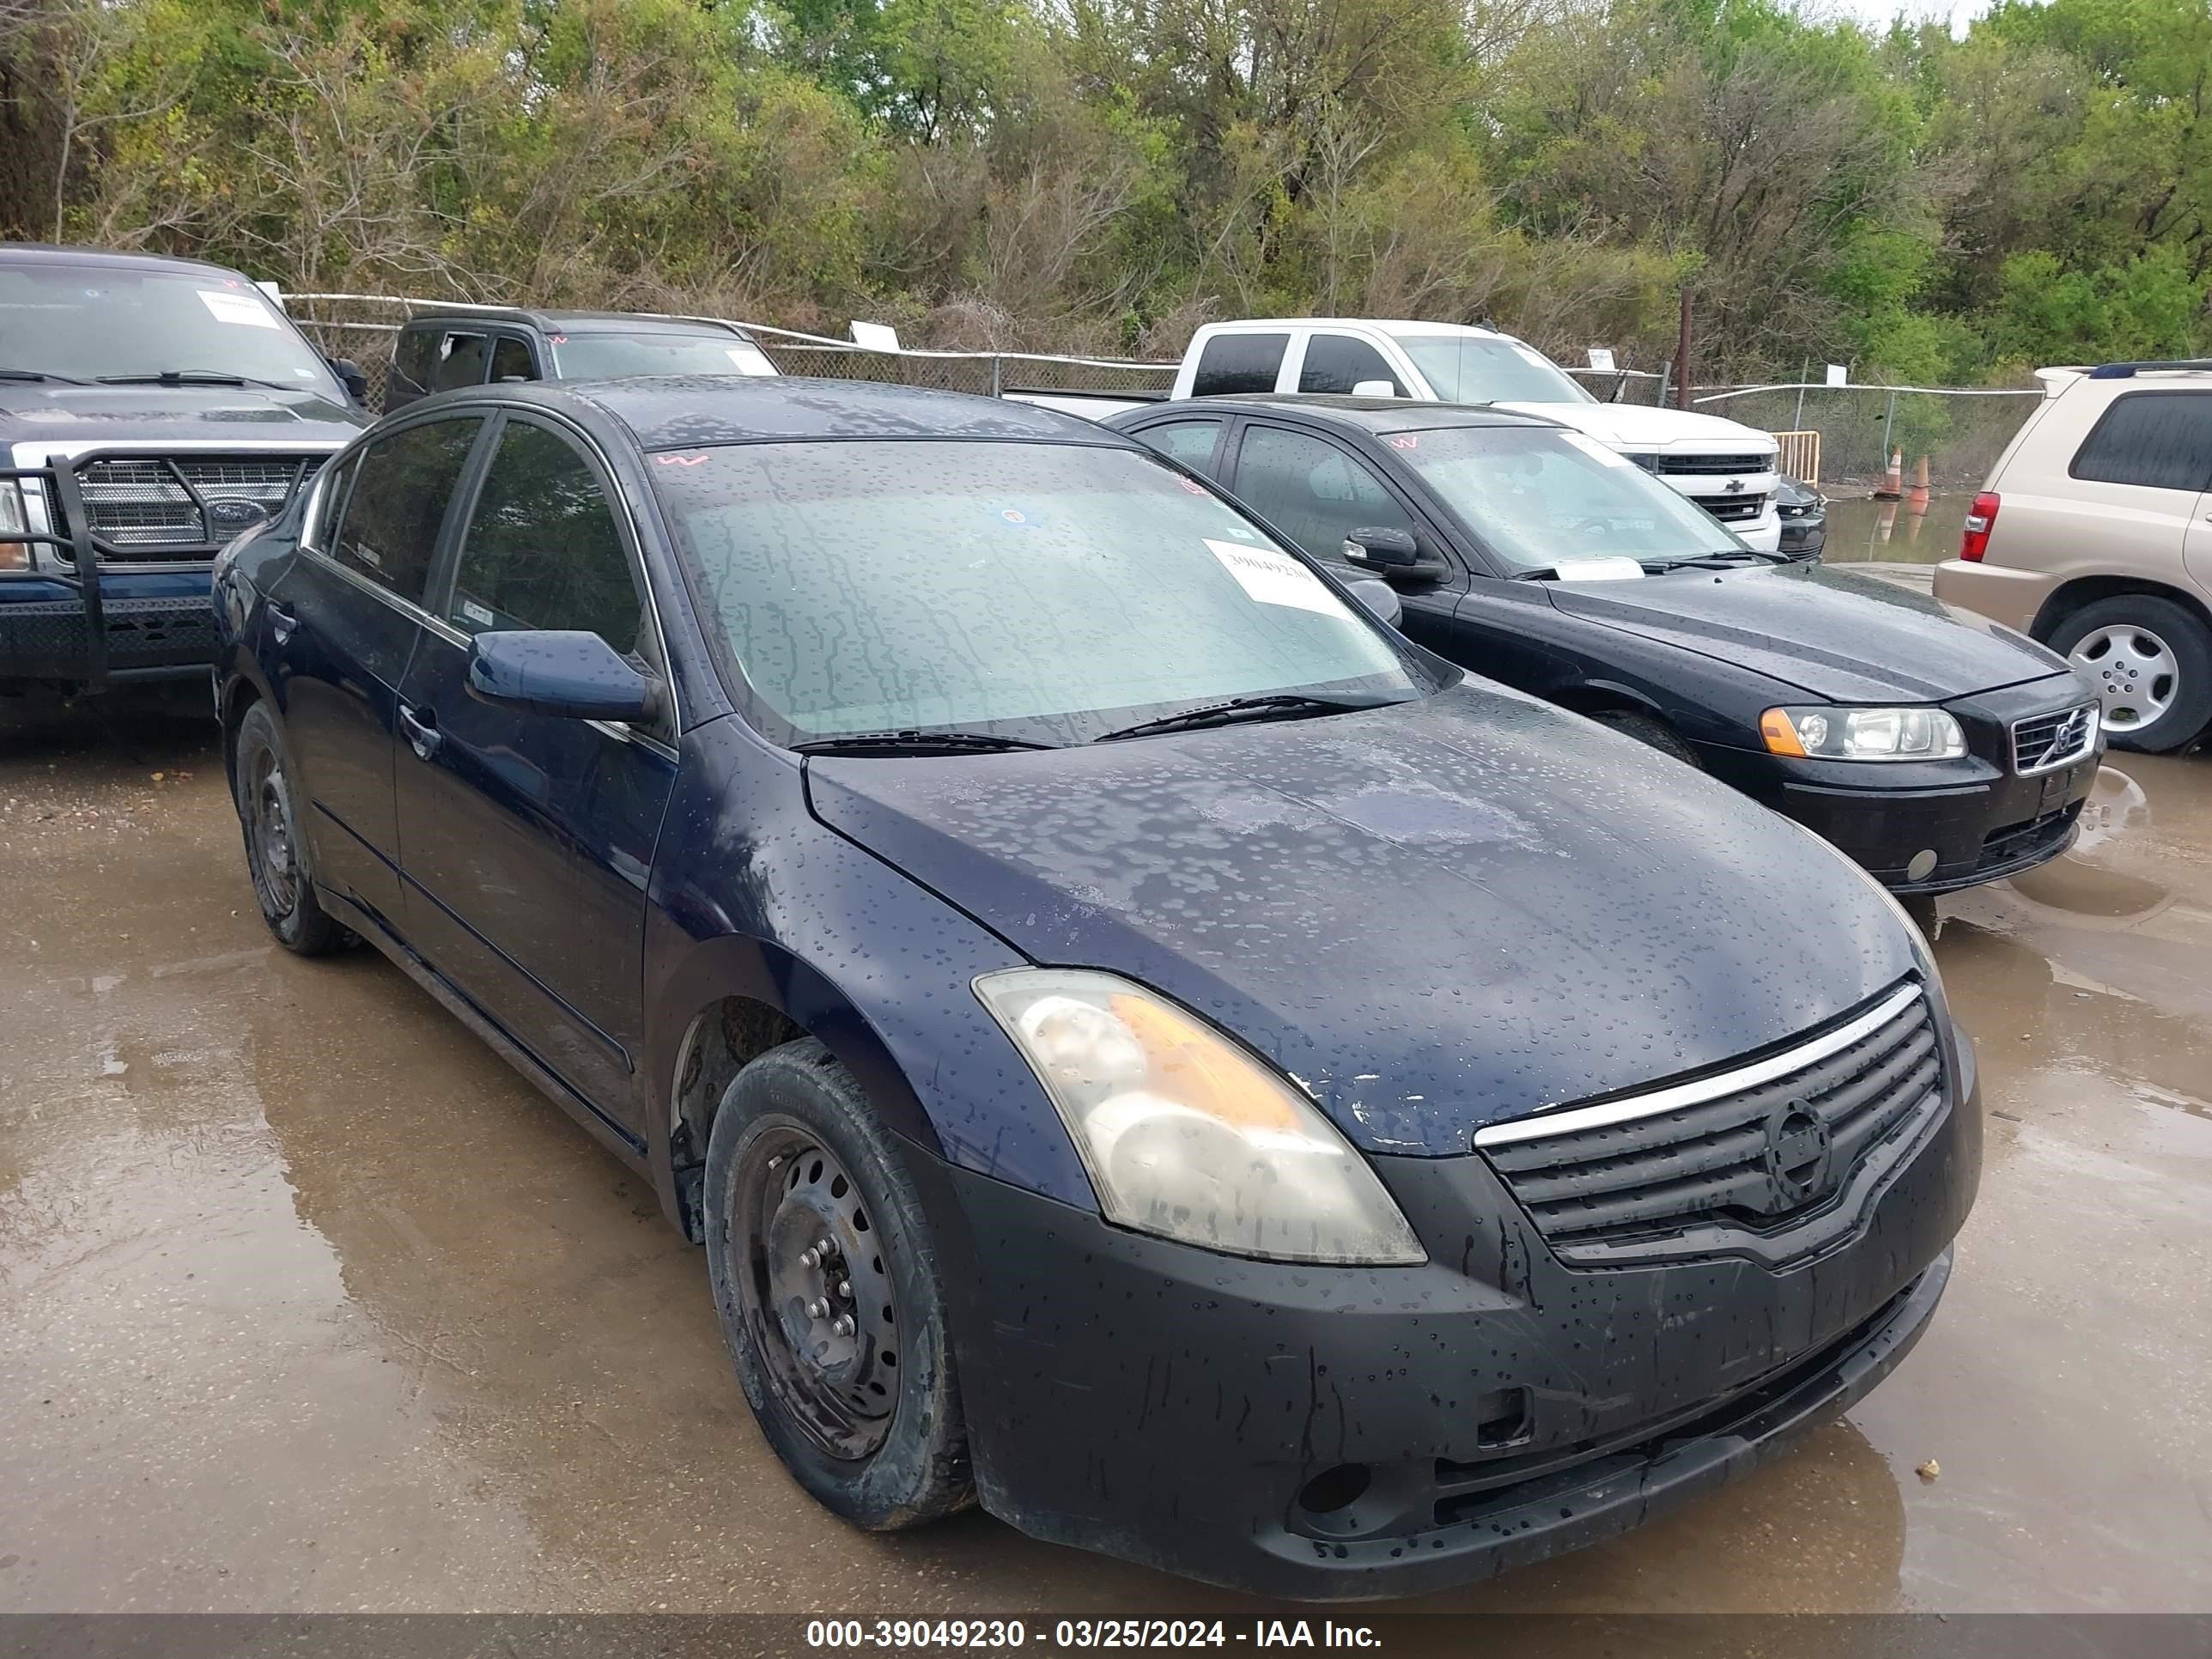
[
  {"x": 1732, "y": 509},
  {"x": 160, "y": 510},
  {"x": 1757, "y": 1150},
  {"x": 1710, "y": 466}
]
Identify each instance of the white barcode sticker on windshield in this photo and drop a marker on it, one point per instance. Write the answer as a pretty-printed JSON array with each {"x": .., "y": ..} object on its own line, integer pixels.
[
  {"x": 1596, "y": 451},
  {"x": 236, "y": 308},
  {"x": 1274, "y": 577}
]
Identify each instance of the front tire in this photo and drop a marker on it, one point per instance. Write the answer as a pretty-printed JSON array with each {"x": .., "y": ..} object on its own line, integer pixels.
[
  {"x": 2151, "y": 662},
  {"x": 275, "y": 853},
  {"x": 845, "y": 1355}
]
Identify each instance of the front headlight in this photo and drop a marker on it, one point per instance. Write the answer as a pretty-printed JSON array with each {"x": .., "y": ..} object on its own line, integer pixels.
[
  {"x": 1863, "y": 734},
  {"x": 1186, "y": 1135},
  {"x": 14, "y": 555}
]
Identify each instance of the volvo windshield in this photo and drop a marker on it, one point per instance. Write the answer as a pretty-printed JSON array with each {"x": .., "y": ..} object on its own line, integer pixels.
[
  {"x": 1541, "y": 498},
  {"x": 1040, "y": 593}
]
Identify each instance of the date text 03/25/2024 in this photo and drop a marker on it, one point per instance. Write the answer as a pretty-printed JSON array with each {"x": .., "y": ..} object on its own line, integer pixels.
[{"x": 999, "y": 1634}]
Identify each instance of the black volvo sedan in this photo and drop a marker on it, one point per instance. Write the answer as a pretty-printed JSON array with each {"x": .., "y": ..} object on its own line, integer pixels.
[
  {"x": 1937, "y": 749},
  {"x": 1144, "y": 1046}
]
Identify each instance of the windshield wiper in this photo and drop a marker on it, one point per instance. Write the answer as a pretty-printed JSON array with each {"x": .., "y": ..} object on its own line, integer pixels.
[
  {"x": 1286, "y": 705},
  {"x": 1724, "y": 558},
  {"x": 35, "y": 374},
  {"x": 191, "y": 377},
  {"x": 914, "y": 742}
]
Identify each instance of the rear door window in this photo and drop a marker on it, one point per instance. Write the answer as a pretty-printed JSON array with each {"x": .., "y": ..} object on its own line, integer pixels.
[
  {"x": 1337, "y": 362},
  {"x": 1239, "y": 362},
  {"x": 415, "y": 357},
  {"x": 461, "y": 359},
  {"x": 389, "y": 533},
  {"x": 1191, "y": 443},
  {"x": 2157, "y": 439}
]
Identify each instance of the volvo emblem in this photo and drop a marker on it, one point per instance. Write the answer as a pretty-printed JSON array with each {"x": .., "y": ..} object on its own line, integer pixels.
[{"x": 1799, "y": 1155}]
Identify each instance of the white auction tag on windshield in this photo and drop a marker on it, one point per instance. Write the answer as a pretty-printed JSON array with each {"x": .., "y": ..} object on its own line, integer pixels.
[
  {"x": 1598, "y": 570},
  {"x": 1275, "y": 578},
  {"x": 236, "y": 308},
  {"x": 1596, "y": 451}
]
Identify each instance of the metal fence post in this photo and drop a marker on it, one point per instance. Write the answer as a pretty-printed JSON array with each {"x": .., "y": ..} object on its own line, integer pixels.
[
  {"x": 1797, "y": 421},
  {"x": 995, "y": 387},
  {"x": 1888, "y": 420}
]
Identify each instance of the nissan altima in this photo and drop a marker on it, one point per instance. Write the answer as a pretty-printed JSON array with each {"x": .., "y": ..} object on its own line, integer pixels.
[{"x": 1143, "y": 1047}]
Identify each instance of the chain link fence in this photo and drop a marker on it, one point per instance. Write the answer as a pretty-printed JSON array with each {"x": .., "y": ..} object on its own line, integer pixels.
[{"x": 1853, "y": 428}]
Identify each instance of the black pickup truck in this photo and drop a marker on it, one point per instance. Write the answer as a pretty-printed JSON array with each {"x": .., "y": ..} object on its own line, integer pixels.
[{"x": 151, "y": 410}]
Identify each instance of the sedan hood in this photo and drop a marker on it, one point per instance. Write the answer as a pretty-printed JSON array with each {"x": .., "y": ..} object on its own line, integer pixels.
[
  {"x": 1431, "y": 917},
  {"x": 79, "y": 417},
  {"x": 1838, "y": 637},
  {"x": 1629, "y": 426}
]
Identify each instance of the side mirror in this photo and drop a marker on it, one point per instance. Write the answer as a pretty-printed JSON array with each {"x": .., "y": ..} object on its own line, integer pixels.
[
  {"x": 1374, "y": 389},
  {"x": 1377, "y": 545},
  {"x": 349, "y": 375},
  {"x": 1380, "y": 597},
  {"x": 559, "y": 672}
]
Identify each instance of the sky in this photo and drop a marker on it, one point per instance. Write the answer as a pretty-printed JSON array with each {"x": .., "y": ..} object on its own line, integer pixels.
[{"x": 1879, "y": 13}]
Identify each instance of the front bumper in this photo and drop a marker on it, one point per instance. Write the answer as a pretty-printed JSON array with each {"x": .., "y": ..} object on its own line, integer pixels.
[
  {"x": 1200, "y": 1414},
  {"x": 1807, "y": 535},
  {"x": 155, "y": 626}
]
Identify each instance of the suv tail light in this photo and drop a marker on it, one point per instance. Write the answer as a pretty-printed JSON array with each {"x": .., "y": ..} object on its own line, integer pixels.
[{"x": 1981, "y": 519}]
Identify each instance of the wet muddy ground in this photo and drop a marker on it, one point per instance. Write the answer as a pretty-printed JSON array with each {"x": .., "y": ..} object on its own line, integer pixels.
[{"x": 308, "y": 1302}]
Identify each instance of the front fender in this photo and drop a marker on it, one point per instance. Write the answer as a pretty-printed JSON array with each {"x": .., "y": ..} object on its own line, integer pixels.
[{"x": 752, "y": 896}]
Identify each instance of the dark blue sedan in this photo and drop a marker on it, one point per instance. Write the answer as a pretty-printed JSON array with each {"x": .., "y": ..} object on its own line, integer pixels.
[{"x": 1145, "y": 1046}]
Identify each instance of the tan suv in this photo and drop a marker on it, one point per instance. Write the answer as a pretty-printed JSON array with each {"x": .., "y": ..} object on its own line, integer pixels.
[{"x": 2094, "y": 534}]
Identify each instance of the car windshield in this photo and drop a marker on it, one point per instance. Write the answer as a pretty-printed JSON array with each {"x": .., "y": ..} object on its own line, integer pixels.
[
  {"x": 1048, "y": 592},
  {"x": 1473, "y": 368},
  {"x": 597, "y": 356},
  {"x": 1539, "y": 497},
  {"x": 94, "y": 322}
]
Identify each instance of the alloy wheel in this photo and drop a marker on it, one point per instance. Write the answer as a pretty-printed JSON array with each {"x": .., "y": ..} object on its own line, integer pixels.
[{"x": 2135, "y": 671}]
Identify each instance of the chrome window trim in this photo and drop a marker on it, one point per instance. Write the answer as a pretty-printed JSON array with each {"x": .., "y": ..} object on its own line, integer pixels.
[
  {"x": 2082, "y": 752},
  {"x": 1543, "y": 1124}
]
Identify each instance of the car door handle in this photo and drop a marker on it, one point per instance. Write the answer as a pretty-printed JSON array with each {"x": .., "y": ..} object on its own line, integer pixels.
[
  {"x": 281, "y": 624},
  {"x": 422, "y": 730}
]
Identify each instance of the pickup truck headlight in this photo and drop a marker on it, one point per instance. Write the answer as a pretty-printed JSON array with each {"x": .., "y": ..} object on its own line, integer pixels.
[
  {"x": 1185, "y": 1134},
  {"x": 1863, "y": 734},
  {"x": 14, "y": 555}
]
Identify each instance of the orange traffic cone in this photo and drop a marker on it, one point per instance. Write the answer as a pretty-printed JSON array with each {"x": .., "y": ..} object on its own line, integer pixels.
[
  {"x": 1916, "y": 498},
  {"x": 1892, "y": 482}
]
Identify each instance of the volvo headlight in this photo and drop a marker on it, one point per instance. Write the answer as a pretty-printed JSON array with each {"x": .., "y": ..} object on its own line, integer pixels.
[
  {"x": 1863, "y": 734},
  {"x": 1185, "y": 1134}
]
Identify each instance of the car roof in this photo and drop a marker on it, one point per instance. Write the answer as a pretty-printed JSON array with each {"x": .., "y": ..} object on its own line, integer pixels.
[
  {"x": 1384, "y": 324},
  {"x": 571, "y": 322},
  {"x": 1376, "y": 415},
  {"x": 57, "y": 254},
  {"x": 686, "y": 411}
]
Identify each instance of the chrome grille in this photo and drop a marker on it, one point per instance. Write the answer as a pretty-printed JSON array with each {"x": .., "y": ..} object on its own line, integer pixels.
[
  {"x": 1752, "y": 1149},
  {"x": 158, "y": 508},
  {"x": 2044, "y": 743}
]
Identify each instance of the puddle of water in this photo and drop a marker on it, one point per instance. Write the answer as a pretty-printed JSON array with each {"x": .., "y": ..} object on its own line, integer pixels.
[{"x": 1891, "y": 533}]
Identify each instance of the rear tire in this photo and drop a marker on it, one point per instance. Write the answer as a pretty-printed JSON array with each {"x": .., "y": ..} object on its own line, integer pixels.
[
  {"x": 1649, "y": 729},
  {"x": 845, "y": 1358},
  {"x": 275, "y": 853},
  {"x": 2151, "y": 662}
]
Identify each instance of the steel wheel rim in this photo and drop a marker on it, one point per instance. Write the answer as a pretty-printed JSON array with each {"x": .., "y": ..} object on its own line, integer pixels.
[
  {"x": 823, "y": 1323},
  {"x": 2137, "y": 678},
  {"x": 269, "y": 824}
]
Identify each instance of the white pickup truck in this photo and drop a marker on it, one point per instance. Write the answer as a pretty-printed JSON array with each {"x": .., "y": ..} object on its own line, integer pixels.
[{"x": 1725, "y": 468}]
